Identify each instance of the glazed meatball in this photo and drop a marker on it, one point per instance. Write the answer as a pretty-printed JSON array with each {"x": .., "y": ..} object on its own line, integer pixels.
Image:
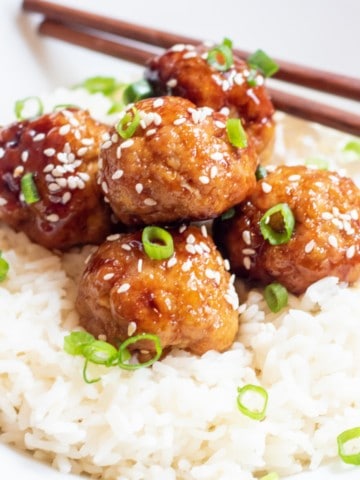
[
  {"x": 325, "y": 239},
  {"x": 188, "y": 300},
  {"x": 184, "y": 71},
  {"x": 59, "y": 152},
  {"x": 179, "y": 165}
]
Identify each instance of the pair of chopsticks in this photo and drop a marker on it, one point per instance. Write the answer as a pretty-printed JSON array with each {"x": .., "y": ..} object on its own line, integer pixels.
[{"x": 137, "y": 44}]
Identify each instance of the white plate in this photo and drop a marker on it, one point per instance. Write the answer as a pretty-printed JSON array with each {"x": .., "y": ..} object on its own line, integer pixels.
[{"x": 324, "y": 34}]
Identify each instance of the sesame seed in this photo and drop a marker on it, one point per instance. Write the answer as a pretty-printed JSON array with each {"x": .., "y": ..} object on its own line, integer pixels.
[
  {"x": 266, "y": 187},
  {"x": 123, "y": 288},
  {"x": 100, "y": 163},
  {"x": 190, "y": 248},
  {"x": 239, "y": 79},
  {"x": 150, "y": 202},
  {"x": 65, "y": 198},
  {"x": 159, "y": 102},
  {"x": 117, "y": 174},
  {"x": 333, "y": 241},
  {"x": 81, "y": 151},
  {"x": 226, "y": 264},
  {"x": 246, "y": 236},
  {"x": 114, "y": 137},
  {"x": 157, "y": 119},
  {"x": 185, "y": 267},
  {"x": 126, "y": 246},
  {"x": 248, "y": 251},
  {"x": 3, "y": 201},
  {"x": 190, "y": 238},
  {"x": 140, "y": 265},
  {"x": 178, "y": 47},
  {"x": 87, "y": 141},
  {"x": 204, "y": 247},
  {"x": 225, "y": 111},
  {"x": 113, "y": 237},
  {"x": 217, "y": 156},
  {"x": 131, "y": 328},
  {"x": 150, "y": 132},
  {"x": 105, "y": 136},
  {"x": 2, "y": 152},
  {"x": 327, "y": 216},
  {"x": 188, "y": 55},
  {"x": 294, "y": 178},
  {"x": 139, "y": 187},
  {"x": 182, "y": 228},
  {"x": 49, "y": 152},
  {"x": 179, "y": 121},
  {"x": 247, "y": 263},
  {"x": 53, "y": 217},
  {"x": 128, "y": 143},
  {"x": 171, "y": 83},
  {"x": 64, "y": 129},
  {"x": 106, "y": 145},
  {"x": 39, "y": 137},
  {"x": 53, "y": 187},
  {"x": 171, "y": 262},
  {"x": 309, "y": 246},
  {"x": 204, "y": 179},
  {"x": 204, "y": 231},
  {"x": 350, "y": 252},
  {"x": 108, "y": 276},
  {"x": 24, "y": 156},
  {"x": 118, "y": 152},
  {"x": 18, "y": 171},
  {"x": 84, "y": 176},
  {"x": 58, "y": 171},
  {"x": 220, "y": 124},
  {"x": 104, "y": 187},
  {"x": 213, "y": 171}
]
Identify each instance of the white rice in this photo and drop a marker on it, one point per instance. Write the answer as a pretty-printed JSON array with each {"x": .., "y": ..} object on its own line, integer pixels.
[{"x": 178, "y": 419}]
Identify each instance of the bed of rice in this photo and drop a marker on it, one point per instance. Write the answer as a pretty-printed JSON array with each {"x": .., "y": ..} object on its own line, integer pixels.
[{"x": 179, "y": 419}]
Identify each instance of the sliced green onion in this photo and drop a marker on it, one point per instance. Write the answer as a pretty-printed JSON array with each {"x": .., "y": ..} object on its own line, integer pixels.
[
  {"x": 64, "y": 106},
  {"x": 221, "y": 57},
  {"x": 276, "y": 296},
  {"x": 124, "y": 352},
  {"x": 352, "y": 146},
  {"x": 277, "y": 224},
  {"x": 137, "y": 91},
  {"x": 157, "y": 242},
  {"x": 228, "y": 214},
  {"x": 28, "y": 188},
  {"x": 251, "y": 78},
  {"x": 260, "y": 172},
  {"x": 261, "y": 61},
  {"x": 75, "y": 342},
  {"x": 101, "y": 353},
  {"x": 342, "y": 441},
  {"x": 29, "y": 107},
  {"x": 127, "y": 126},
  {"x": 84, "y": 374},
  {"x": 4, "y": 268},
  {"x": 236, "y": 133},
  {"x": 256, "y": 414},
  {"x": 317, "y": 162},
  {"x": 270, "y": 476},
  {"x": 104, "y": 85}
]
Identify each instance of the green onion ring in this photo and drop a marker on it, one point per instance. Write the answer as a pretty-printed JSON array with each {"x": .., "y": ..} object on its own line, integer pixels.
[
  {"x": 342, "y": 439},
  {"x": 254, "y": 414},
  {"x": 75, "y": 342},
  {"x": 261, "y": 61},
  {"x": 277, "y": 224},
  {"x": 137, "y": 91},
  {"x": 28, "y": 188},
  {"x": 84, "y": 374},
  {"x": 21, "y": 104},
  {"x": 4, "y": 268},
  {"x": 158, "y": 243},
  {"x": 352, "y": 146},
  {"x": 127, "y": 126},
  {"x": 276, "y": 296},
  {"x": 124, "y": 352},
  {"x": 236, "y": 133},
  {"x": 101, "y": 353},
  {"x": 220, "y": 57},
  {"x": 104, "y": 85}
]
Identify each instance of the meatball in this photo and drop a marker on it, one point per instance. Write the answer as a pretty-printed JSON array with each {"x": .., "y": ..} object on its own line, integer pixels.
[
  {"x": 188, "y": 300},
  {"x": 57, "y": 154},
  {"x": 325, "y": 239},
  {"x": 184, "y": 71},
  {"x": 179, "y": 165}
]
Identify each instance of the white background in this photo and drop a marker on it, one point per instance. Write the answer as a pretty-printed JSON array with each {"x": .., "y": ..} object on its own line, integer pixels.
[{"x": 320, "y": 33}]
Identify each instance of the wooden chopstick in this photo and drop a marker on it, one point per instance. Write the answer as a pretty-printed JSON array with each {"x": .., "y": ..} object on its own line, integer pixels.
[
  {"x": 324, "y": 81},
  {"x": 288, "y": 103}
]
